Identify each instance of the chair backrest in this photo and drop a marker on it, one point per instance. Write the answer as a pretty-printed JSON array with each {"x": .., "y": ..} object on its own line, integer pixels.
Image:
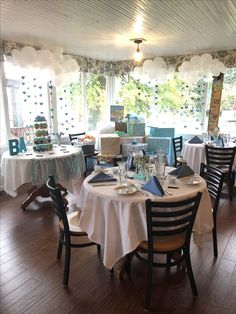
[
  {"x": 58, "y": 203},
  {"x": 75, "y": 136},
  {"x": 171, "y": 218},
  {"x": 177, "y": 146},
  {"x": 214, "y": 178},
  {"x": 220, "y": 157}
]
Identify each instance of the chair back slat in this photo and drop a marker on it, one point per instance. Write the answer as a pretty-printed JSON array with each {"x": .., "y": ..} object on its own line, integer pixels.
[
  {"x": 58, "y": 204},
  {"x": 75, "y": 136},
  {"x": 177, "y": 147},
  {"x": 179, "y": 217},
  {"x": 220, "y": 156},
  {"x": 214, "y": 178}
]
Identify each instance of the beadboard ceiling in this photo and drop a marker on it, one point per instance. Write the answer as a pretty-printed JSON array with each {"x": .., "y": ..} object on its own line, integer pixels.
[{"x": 102, "y": 29}]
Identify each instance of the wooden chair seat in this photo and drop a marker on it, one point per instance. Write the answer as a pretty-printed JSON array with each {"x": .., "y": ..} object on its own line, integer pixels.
[
  {"x": 165, "y": 244},
  {"x": 181, "y": 160},
  {"x": 73, "y": 219}
]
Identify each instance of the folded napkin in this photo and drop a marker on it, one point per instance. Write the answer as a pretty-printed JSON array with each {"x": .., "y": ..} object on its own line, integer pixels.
[
  {"x": 195, "y": 140},
  {"x": 153, "y": 186},
  {"x": 102, "y": 177},
  {"x": 182, "y": 171}
]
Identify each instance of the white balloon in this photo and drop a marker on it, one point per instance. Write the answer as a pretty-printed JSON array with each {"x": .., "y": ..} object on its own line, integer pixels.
[
  {"x": 222, "y": 67},
  {"x": 15, "y": 53},
  {"x": 148, "y": 64},
  {"x": 208, "y": 78},
  {"x": 205, "y": 59},
  {"x": 160, "y": 62},
  {"x": 29, "y": 54}
]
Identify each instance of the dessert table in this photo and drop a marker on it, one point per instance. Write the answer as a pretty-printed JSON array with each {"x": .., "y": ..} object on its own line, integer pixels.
[
  {"x": 65, "y": 163},
  {"x": 118, "y": 222}
]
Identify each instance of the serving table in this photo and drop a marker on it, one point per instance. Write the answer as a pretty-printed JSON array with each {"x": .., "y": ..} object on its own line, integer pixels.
[
  {"x": 65, "y": 163},
  {"x": 118, "y": 222}
]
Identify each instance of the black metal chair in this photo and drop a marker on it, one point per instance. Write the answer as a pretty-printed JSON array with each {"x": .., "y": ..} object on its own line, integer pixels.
[
  {"x": 214, "y": 178},
  {"x": 74, "y": 137},
  {"x": 223, "y": 159},
  {"x": 169, "y": 228},
  {"x": 68, "y": 227},
  {"x": 177, "y": 146}
]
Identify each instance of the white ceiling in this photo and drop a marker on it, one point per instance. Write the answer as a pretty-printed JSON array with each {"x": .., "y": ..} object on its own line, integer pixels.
[{"x": 102, "y": 29}]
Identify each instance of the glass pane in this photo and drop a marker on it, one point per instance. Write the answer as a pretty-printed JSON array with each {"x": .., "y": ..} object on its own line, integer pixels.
[
  {"x": 70, "y": 113},
  {"x": 136, "y": 98},
  {"x": 173, "y": 104},
  {"x": 27, "y": 97},
  {"x": 97, "y": 108},
  {"x": 227, "y": 119}
]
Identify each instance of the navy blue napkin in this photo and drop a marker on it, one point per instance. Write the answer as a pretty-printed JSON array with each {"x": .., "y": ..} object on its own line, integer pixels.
[
  {"x": 102, "y": 177},
  {"x": 195, "y": 140},
  {"x": 182, "y": 171},
  {"x": 153, "y": 186}
]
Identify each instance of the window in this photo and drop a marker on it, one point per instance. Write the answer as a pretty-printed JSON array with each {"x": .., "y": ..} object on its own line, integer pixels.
[
  {"x": 70, "y": 109},
  {"x": 227, "y": 119},
  {"x": 173, "y": 104},
  {"x": 96, "y": 98},
  {"x": 27, "y": 95}
]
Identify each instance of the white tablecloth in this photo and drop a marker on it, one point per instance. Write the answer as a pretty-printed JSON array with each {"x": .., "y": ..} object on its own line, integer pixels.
[
  {"x": 194, "y": 154},
  {"x": 118, "y": 222},
  {"x": 65, "y": 163}
]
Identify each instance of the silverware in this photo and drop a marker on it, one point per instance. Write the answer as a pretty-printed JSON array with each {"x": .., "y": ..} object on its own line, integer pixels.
[
  {"x": 167, "y": 192},
  {"x": 103, "y": 184}
]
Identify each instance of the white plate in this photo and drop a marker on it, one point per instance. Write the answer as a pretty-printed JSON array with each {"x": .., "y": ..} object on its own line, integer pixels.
[
  {"x": 191, "y": 180},
  {"x": 126, "y": 189},
  {"x": 105, "y": 170}
]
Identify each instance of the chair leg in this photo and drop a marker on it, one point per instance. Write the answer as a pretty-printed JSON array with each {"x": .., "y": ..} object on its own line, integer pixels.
[
  {"x": 128, "y": 263},
  {"x": 148, "y": 283},
  {"x": 67, "y": 266},
  {"x": 168, "y": 260},
  {"x": 60, "y": 245},
  {"x": 98, "y": 247},
  {"x": 214, "y": 236},
  {"x": 190, "y": 272},
  {"x": 231, "y": 187}
]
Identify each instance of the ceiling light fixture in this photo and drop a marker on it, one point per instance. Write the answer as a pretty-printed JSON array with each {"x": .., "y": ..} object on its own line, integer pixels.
[{"x": 138, "y": 54}]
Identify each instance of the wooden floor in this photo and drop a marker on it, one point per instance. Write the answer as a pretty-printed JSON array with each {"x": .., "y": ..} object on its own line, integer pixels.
[{"x": 31, "y": 278}]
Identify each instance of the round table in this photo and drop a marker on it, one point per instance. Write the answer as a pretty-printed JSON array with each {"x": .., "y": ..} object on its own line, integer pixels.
[
  {"x": 194, "y": 154},
  {"x": 63, "y": 162},
  {"x": 118, "y": 222}
]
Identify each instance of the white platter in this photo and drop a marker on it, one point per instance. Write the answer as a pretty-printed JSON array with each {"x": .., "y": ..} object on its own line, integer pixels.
[
  {"x": 193, "y": 180},
  {"x": 125, "y": 189}
]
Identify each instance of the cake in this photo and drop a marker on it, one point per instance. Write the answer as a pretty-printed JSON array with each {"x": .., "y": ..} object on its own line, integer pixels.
[{"x": 41, "y": 139}]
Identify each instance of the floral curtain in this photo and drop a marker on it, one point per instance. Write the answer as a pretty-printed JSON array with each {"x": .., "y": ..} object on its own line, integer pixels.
[{"x": 119, "y": 68}]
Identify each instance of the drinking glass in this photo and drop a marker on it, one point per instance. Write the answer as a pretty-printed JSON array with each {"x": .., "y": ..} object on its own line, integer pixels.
[{"x": 123, "y": 173}]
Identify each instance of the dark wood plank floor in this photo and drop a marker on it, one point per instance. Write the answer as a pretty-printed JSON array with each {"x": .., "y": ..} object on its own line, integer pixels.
[{"x": 31, "y": 278}]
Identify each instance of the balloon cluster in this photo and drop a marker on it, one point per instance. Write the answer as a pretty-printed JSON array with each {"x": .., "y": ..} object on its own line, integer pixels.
[
  {"x": 60, "y": 69},
  {"x": 204, "y": 67},
  {"x": 153, "y": 72}
]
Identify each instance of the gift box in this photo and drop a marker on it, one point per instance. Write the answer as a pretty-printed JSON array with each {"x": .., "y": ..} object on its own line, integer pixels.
[
  {"x": 136, "y": 128},
  {"x": 128, "y": 149},
  {"x": 132, "y": 139},
  {"x": 110, "y": 144}
]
